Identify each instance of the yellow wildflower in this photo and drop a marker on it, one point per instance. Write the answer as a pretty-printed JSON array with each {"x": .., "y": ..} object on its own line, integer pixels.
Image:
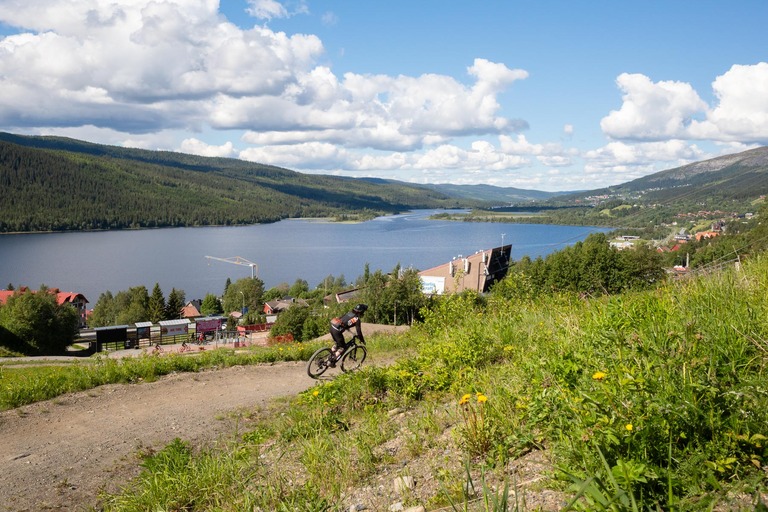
[
  {"x": 481, "y": 398},
  {"x": 464, "y": 399},
  {"x": 599, "y": 375},
  {"x": 629, "y": 427},
  {"x": 315, "y": 393}
]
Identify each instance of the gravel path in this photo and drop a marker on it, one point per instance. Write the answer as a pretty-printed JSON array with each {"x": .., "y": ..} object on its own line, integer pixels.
[{"x": 59, "y": 453}]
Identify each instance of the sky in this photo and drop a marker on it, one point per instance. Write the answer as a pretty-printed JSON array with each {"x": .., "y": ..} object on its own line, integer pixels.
[{"x": 552, "y": 95}]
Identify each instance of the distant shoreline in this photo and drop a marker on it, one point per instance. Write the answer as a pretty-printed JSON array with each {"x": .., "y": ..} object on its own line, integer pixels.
[{"x": 328, "y": 220}]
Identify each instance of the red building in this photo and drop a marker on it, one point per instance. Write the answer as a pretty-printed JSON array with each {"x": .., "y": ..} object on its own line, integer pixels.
[{"x": 77, "y": 300}]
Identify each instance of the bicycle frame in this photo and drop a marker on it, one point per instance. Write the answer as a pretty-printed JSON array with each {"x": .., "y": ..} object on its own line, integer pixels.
[{"x": 351, "y": 358}]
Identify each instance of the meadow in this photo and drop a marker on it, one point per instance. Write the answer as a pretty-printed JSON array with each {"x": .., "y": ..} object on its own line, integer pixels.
[{"x": 653, "y": 400}]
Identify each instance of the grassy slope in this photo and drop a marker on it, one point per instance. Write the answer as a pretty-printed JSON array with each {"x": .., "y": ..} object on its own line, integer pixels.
[{"x": 669, "y": 386}]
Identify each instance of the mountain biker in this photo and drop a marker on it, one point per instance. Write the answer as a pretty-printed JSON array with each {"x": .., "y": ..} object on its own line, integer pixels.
[{"x": 339, "y": 325}]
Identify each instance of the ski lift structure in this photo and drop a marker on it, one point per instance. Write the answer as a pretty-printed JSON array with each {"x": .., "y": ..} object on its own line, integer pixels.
[{"x": 238, "y": 260}]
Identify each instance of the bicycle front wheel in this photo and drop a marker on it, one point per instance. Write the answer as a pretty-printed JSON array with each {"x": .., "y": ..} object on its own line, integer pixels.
[
  {"x": 319, "y": 362},
  {"x": 353, "y": 358}
]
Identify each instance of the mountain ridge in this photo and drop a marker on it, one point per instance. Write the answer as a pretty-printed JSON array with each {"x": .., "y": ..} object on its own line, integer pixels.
[{"x": 56, "y": 183}]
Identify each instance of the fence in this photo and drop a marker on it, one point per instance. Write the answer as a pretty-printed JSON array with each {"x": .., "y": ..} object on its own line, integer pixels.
[{"x": 150, "y": 338}]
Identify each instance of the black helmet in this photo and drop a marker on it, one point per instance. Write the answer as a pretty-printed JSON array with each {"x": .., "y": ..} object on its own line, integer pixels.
[{"x": 360, "y": 308}]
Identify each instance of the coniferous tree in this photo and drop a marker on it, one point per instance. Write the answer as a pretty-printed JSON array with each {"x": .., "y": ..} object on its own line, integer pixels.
[
  {"x": 156, "y": 305},
  {"x": 175, "y": 304}
]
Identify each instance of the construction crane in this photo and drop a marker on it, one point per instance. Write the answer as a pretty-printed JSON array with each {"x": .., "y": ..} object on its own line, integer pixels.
[{"x": 237, "y": 260}]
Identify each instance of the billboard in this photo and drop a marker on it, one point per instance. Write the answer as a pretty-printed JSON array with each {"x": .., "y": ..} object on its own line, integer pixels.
[
  {"x": 432, "y": 285},
  {"x": 208, "y": 324}
]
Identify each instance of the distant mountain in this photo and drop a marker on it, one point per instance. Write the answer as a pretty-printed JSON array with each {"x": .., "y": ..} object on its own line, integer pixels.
[
  {"x": 490, "y": 195},
  {"x": 56, "y": 183},
  {"x": 493, "y": 194},
  {"x": 737, "y": 178}
]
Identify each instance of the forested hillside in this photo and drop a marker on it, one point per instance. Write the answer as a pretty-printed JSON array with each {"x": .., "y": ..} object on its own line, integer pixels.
[
  {"x": 56, "y": 184},
  {"x": 721, "y": 182},
  {"x": 726, "y": 187}
]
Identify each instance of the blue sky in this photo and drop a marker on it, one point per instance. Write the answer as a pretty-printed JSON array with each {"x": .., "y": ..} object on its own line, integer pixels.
[{"x": 545, "y": 95}]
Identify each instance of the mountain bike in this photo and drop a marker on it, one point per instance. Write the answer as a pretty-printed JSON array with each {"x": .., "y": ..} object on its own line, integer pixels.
[{"x": 350, "y": 359}]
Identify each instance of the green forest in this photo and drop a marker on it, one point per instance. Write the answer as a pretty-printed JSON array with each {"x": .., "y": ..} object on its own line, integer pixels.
[{"x": 69, "y": 185}]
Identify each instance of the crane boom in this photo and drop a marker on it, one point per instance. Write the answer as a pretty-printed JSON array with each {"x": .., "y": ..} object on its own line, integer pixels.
[{"x": 238, "y": 260}]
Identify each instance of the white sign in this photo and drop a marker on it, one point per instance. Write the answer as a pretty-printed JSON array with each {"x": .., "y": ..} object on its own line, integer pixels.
[{"x": 431, "y": 285}]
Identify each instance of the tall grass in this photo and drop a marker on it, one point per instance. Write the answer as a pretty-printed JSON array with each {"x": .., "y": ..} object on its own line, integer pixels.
[{"x": 652, "y": 400}]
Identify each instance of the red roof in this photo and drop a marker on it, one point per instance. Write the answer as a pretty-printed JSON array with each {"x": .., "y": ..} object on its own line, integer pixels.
[{"x": 61, "y": 297}]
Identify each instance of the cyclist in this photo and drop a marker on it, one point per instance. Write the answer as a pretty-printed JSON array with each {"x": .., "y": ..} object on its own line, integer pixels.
[{"x": 339, "y": 325}]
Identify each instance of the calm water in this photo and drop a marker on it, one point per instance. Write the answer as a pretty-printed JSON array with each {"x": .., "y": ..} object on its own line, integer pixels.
[{"x": 92, "y": 263}]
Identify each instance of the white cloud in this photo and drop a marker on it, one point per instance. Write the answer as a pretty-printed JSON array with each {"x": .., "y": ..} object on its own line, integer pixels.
[
  {"x": 266, "y": 9},
  {"x": 329, "y": 18},
  {"x": 155, "y": 65},
  {"x": 742, "y": 111},
  {"x": 149, "y": 73},
  {"x": 619, "y": 161},
  {"x": 667, "y": 110},
  {"x": 652, "y": 111},
  {"x": 198, "y": 147},
  {"x": 142, "y": 66},
  {"x": 307, "y": 156}
]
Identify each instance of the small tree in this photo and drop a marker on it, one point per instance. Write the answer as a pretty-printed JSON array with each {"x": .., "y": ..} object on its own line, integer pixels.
[
  {"x": 104, "y": 312},
  {"x": 291, "y": 321},
  {"x": 246, "y": 292},
  {"x": 35, "y": 324},
  {"x": 132, "y": 305},
  {"x": 211, "y": 305},
  {"x": 299, "y": 289}
]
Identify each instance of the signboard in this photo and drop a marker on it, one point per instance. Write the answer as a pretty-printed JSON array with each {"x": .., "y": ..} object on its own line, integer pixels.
[
  {"x": 431, "y": 285},
  {"x": 174, "y": 327},
  {"x": 208, "y": 324},
  {"x": 143, "y": 329},
  {"x": 171, "y": 330}
]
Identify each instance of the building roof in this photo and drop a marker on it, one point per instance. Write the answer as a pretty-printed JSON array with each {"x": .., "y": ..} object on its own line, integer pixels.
[
  {"x": 475, "y": 272},
  {"x": 275, "y": 306},
  {"x": 61, "y": 297},
  {"x": 177, "y": 321},
  {"x": 192, "y": 309}
]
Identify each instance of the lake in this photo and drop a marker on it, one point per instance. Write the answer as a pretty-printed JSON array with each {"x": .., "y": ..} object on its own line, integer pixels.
[{"x": 94, "y": 262}]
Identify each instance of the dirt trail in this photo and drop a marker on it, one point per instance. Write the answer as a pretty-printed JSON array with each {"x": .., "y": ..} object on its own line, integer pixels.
[{"x": 58, "y": 454}]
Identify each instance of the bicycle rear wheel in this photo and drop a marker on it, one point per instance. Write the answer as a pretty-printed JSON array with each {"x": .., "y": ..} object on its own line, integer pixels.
[
  {"x": 353, "y": 358},
  {"x": 319, "y": 362}
]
